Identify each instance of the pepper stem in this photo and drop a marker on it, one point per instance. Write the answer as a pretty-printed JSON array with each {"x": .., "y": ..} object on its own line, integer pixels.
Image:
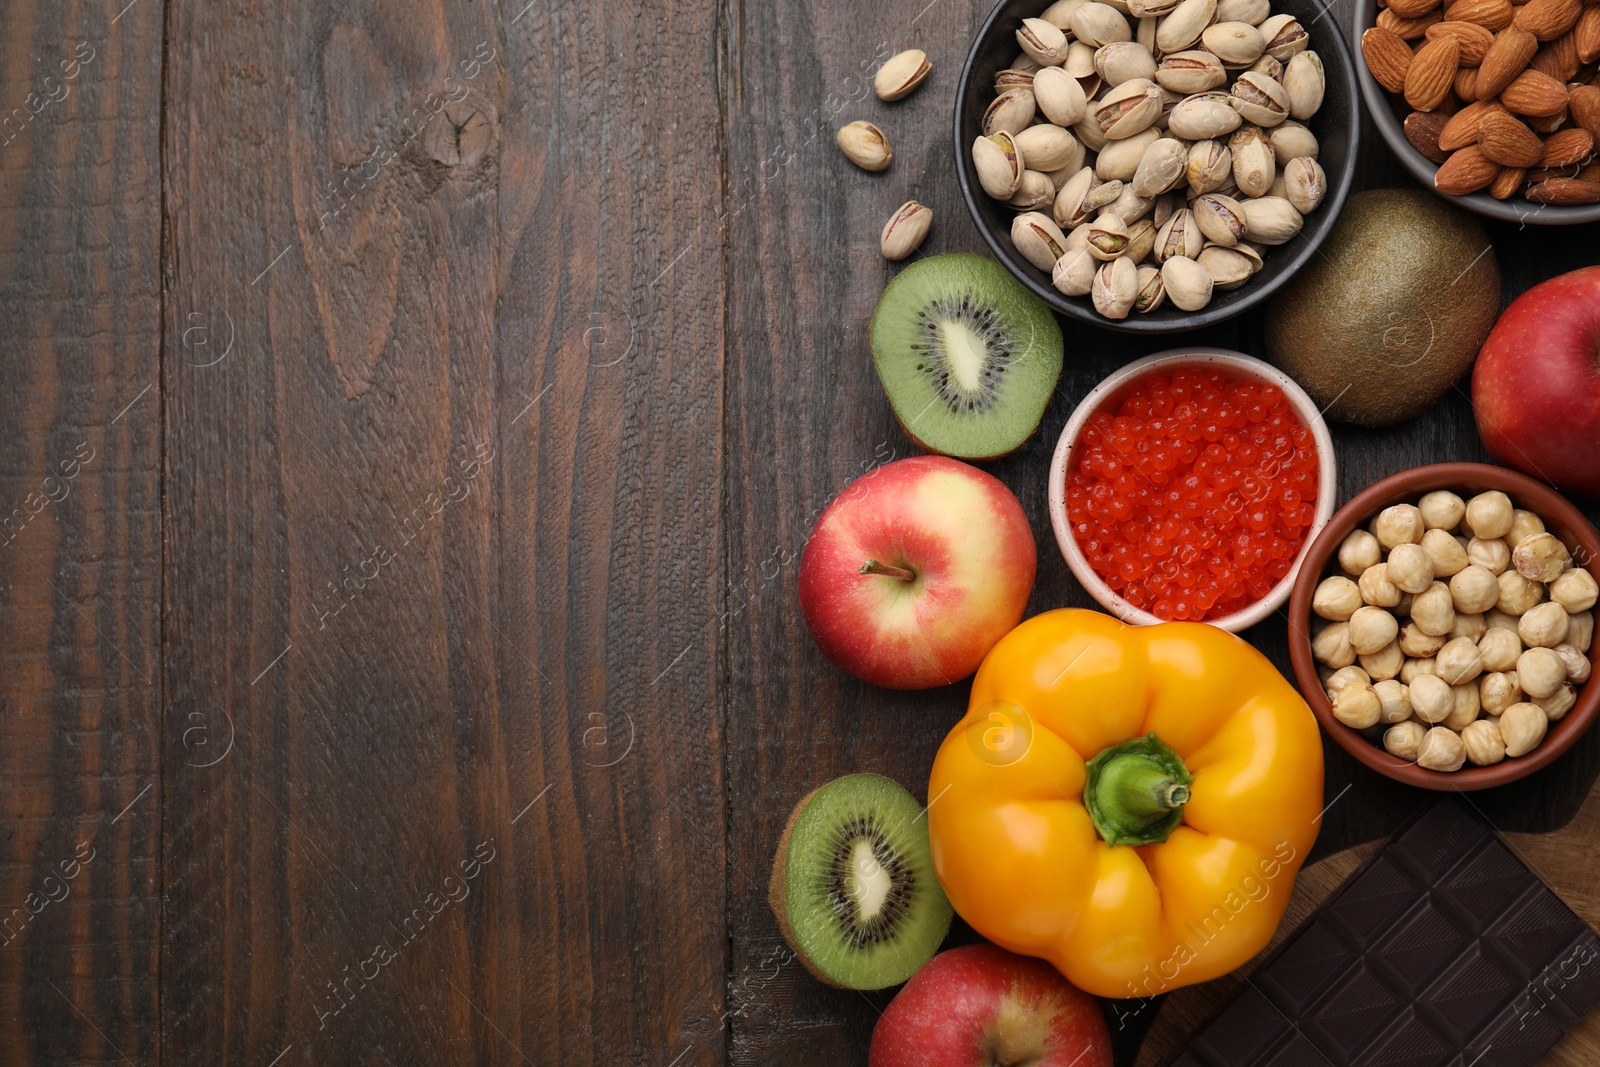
[
  {"x": 905, "y": 574},
  {"x": 1136, "y": 790}
]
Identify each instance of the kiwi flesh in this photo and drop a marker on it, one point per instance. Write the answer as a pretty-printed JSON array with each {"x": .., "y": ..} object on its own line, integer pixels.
[
  {"x": 853, "y": 885},
  {"x": 966, "y": 354}
]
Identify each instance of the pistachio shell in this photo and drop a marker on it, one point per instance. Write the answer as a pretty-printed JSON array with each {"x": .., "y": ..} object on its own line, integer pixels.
[
  {"x": 1059, "y": 14},
  {"x": 1059, "y": 96},
  {"x": 1130, "y": 205},
  {"x": 1270, "y": 220},
  {"x": 905, "y": 230},
  {"x": 1011, "y": 111},
  {"x": 1151, "y": 290},
  {"x": 1202, "y": 116},
  {"x": 1254, "y": 12},
  {"x": 1119, "y": 160},
  {"x": 1047, "y": 147},
  {"x": 1284, "y": 36},
  {"x": 1260, "y": 99},
  {"x": 1238, "y": 44},
  {"x": 1074, "y": 272},
  {"x": 1228, "y": 268},
  {"x": 1254, "y": 165},
  {"x": 1188, "y": 285},
  {"x": 1141, "y": 239},
  {"x": 1190, "y": 72},
  {"x": 1291, "y": 140},
  {"x": 1305, "y": 184},
  {"x": 1220, "y": 218},
  {"x": 1304, "y": 82},
  {"x": 865, "y": 145},
  {"x": 1043, "y": 43},
  {"x": 1108, "y": 236},
  {"x": 1182, "y": 27},
  {"x": 1035, "y": 192},
  {"x": 1007, "y": 80},
  {"x": 1209, "y": 166},
  {"x": 1161, "y": 167},
  {"x": 999, "y": 165},
  {"x": 1040, "y": 240},
  {"x": 1080, "y": 61},
  {"x": 1130, "y": 108},
  {"x": 1115, "y": 288},
  {"x": 899, "y": 77},
  {"x": 1179, "y": 236},
  {"x": 1122, "y": 61},
  {"x": 1096, "y": 24}
]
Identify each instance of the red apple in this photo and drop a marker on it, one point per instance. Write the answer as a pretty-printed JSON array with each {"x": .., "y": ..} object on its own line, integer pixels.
[
  {"x": 915, "y": 571},
  {"x": 981, "y": 1006},
  {"x": 1536, "y": 388}
]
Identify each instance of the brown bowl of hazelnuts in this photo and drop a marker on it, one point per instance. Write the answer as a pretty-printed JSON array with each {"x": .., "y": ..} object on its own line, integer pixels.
[{"x": 1442, "y": 626}]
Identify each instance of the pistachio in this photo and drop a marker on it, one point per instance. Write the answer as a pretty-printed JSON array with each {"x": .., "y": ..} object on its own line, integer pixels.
[
  {"x": 1074, "y": 272},
  {"x": 1268, "y": 66},
  {"x": 1130, "y": 108},
  {"x": 1089, "y": 132},
  {"x": 1305, "y": 82},
  {"x": 1260, "y": 99},
  {"x": 1012, "y": 111},
  {"x": 1098, "y": 24},
  {"x": 1203, "y": 115},
  {"x": 1039, "y": 239},
  {"x": 1024, "y": 62},
  {"x": 865, "y": 145},
  {"x": 1048, "y": 147},
  {"x": 1007, "y": 80},
  {"x": 1122, "y": 61},
  {"x": 998, "y": 163},
  {"x": 1187, "y": 283},
  {"x": 1083, "y": 195},
  {"x": 904, "y": 231},
  {"x": 1115, "y": 287},
  {"x": 1290, "y": 140},
  {"x": 1210, "y": 165},
  {"x": 1190, "y": 72},
  {"x": 1161, "y": 167},
  {"x": 900, "y": 76},
  {"x": 1130, "y": 206},
  {"x": 1254, "y": 165},
  {"x": 1152, "y": 291},
  {"x": 1179, "y": 236},
  {"x": 1149, "y": 9},
  {"x": 1059, "y": 96},
  {"x": 1080, "y": 63},
  {"x": 1108, "y": 236},
  {"x": 1119, "y": 160},
  {"x": 1228, "y": 268},
  {"x": 1307, "y": 185},
  {"x": 1270, "y": 220},
  {"x": 1141, "y": 239},
  {"x": 1166, "y": 205},
  {"x": 1045, "y": 44},
  {"x": 1253, "y": 254},
  {"x": 1238, "y": 44},
  {"x": 1254, "y": 12},
  {"x": 1284, "y": 36},
  {"x": 1220, "y": 218},
  {"x": 1182, "y": 27},
  {"x": 1035, "y": 192},
  {"x": 1059, "y": 14},
  {"x": 1144, "y": 31},
  {"x": 1077, "y": 239}
]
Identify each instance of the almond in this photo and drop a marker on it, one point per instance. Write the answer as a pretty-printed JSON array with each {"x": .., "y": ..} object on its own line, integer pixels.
[
  {"x": 1507, "y": 57},
  {"x": 1585, "y": 107},
  {"x": 1565, "y": 49},
  {"x": 1432, "y": 73},
  {"x": 1508, "y": 142},
  {"x": 1565, "y": 192},
  {"x": 1474, "y": 39},
  {"x": 1462, "y": 129},
  {"x": 1493, "y": 15},
  {"x": 1586, "y": 34},
  {"x": 1413, "y": 9},
  {"x": 1408, "y": 29},
  {"x": 1466, "y": 171},
  {"x": 1548, "y": 19},
  {"x": 1467, "y": 84},
  {"x": 1546, "y": 124},
  {"x": 1546, "y": 62},
  {"x": 1387, "y": 56},
  {"x": 1567, "y": 148},
  {"x": 1590, "y": 171},
  {"x": 1422, "y": 129},
  {"x": 1532, "y": 93},
  {"x": 1507, "y": 182}
]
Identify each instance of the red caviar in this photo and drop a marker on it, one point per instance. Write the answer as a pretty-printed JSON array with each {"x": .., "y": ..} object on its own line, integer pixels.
[{"x": 1193, "y": 497}]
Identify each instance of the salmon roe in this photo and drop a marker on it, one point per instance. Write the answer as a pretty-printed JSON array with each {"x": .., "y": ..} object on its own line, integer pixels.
[{"x": 1193, "y": 497}]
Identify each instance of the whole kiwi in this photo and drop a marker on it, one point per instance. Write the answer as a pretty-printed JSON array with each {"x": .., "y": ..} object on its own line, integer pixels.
[{"x": 1391, "y": 312}]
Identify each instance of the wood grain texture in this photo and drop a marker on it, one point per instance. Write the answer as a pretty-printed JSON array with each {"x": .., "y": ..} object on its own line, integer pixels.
[{"x": 80, "y": 556}]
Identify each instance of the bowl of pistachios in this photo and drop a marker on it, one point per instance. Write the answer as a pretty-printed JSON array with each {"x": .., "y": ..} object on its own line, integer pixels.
[
  {"x": 1442, "y": 626},
  {"x": 1156, "y": 165}
]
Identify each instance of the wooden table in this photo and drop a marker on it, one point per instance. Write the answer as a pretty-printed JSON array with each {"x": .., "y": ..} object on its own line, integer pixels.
[{"x": 413, "y": 415}]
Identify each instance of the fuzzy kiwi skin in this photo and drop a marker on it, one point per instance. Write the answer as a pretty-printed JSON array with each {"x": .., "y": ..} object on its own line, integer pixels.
[{"x": 777, "y": 890}]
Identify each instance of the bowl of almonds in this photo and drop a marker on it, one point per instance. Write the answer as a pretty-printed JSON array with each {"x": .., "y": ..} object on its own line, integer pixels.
[
  {"x": 1156, "y": 165},
  {"x": 1492, "y": 103},
  {"x": 1442, "y": 626}
]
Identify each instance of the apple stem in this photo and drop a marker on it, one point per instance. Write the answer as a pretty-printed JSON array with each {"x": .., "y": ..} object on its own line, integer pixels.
[{"x": 905, "y": 574}]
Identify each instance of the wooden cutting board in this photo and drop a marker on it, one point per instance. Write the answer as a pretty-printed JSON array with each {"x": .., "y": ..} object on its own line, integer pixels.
[{"x": 1567, "y": 859}]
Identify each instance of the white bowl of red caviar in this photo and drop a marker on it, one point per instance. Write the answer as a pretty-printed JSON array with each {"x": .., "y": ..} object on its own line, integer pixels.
[{"x": 1189, "y": 485}]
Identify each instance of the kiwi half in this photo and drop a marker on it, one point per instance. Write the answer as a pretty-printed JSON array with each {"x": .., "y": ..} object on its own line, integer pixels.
[
  {"x": 967, "y": 355},
  {"x": 853, "y": 886}
]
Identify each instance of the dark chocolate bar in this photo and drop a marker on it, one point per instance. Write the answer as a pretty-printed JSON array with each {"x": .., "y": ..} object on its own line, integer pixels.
[{"x": 1442, "y": 950}]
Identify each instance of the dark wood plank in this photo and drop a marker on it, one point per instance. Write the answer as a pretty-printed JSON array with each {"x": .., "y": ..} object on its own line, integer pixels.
[
  {"x": 435, "y": 574},
  {"x": 80, "y": 527}
]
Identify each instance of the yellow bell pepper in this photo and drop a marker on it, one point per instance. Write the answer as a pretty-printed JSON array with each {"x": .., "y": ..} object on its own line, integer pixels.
[{"x": 1130, "y": 803}]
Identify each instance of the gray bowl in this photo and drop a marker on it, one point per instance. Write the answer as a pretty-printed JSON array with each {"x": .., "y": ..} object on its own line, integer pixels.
[
  {"x": 1337, "y": 127},
  {"x": 1389, "y": 112}
]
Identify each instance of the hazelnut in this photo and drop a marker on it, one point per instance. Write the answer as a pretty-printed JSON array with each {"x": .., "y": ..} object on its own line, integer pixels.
[
  {"x": 1410, "y": 568},
  {"x": 1471, "y": 626},
  {"x": 1490, "y": 553},
  {"x": 1343, "y": 678},
  {"x": 1499, "y": 649},
  {"x": 1485, "y": 747},
  {"x": 1580, "y": 630},
  {"x": 1359, "y": 551},
  {"x": 1441, "y": 750},
  {"x": 1522, "y": 727},
  {"x": 1459, "y": 661},
  {"x": 1432, "y": 698},
  {"x": 1413, "y": 642},
  {"x": 1398, "y": 525},
  {"x": 1540, "y": 672},
  {"x": 1370, "y": 629},
  {"x": 1465, "y": 707},
  {"x": 1540, "y": 557},
  {"x": 1384, "y": 663},
  {"x": 1489, "y": 515},
  {"x": 1376, "y": 588},
  {"x": 1394, "y": 701},
  {"x": 1474, "y": 589},
  {"x": 1416, "y": 668},
  {"x": 1575, "y": 590},
  {"x": 1332, "y": 645},
  {"x": 1336, "y": 598},
  {"x": 1524, "y": 524},
  {"x": 1448, "y": 555},
  {"x": 1496, "y": 619},
  {"x": 1497, "y": 691},
  {"x": 1578, "y": 666},
  {"x": 1404, "y": 740},
  {"x": 1545, "y": 626},
  {"x": 1433, "y": 612},
  {"x": 1517, "y": 594},
  {"x": 1441, "y": 510},
  {"x": 1557, "y": 704},
  {"x": 1357, "y": 707}
]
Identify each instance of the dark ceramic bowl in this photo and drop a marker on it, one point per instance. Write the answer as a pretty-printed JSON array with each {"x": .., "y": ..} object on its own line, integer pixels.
[
  {"x": 1337, "y": 127},
  {"x": 1389, "y": 112},
  {"x": 1561, "y": 518}
]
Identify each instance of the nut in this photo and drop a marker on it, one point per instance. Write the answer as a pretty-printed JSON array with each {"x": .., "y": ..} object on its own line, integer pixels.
[
  {"x": 1188, "y": 284},
  {"x": 1108, "y": 236},
  {"x": 1394, "y": 700},
  {"x": 1540, "y": 672},
  {"x": 1532, "y": 93},
  {"x": 1387, "y": 57},
  {"x": 1260, "y": 99},
  {"x": 1119, "y": 160},
  {"x": 1271, "y": 220},
  {"x": 1377, "y": 589},
  {"x": 1034, "y": 192},
  {"x": 1441, "y": 750},
  {"x": 1473, "y": 39},
  {"x": 1474, "y": 589},
  {"x": 1459, "y": 661},
  {"x": 1557, "y": 704},
  {"x": 1471, "y": 626},
  {"x": 1547, "y": 19},
  {"x": 1517, "y": 594},
  {"x": 1385, "y": 663},
  {"x": 1122, "y": 61},
  {"x": 1180, "y": 236},
  {"x": 1285, "y": 37},
  {"x": 1461, "y": 129},
  {"x": 1464, "y": 709},
  {"x": 1043, "y": 43},
  {"x": 1466, "y": 171},
  {"x": 1483, "y": 743},
  {"x": 1544, "y": 626},
  {"x": 1115, "y": 288},
  {"x": 1575, "y": 590},
  {"x": 1441, "y": 510},
  {"x": 1331, "y": 645},
  {"x": 1410, "y": 568},
  {"x": 1128, "y": 109},
  {"x": 1161, "y": 168},
  {"x": 1099, "y": 24},
  {"x": 1152, "y": 290},
  {"x": 1290, "y": 140},
  {"x": 1418, "y": 645},
  {"x": 1498, "y": 690},
  {"x": 1398, "y": 525},
  {"x": 1182, "y": 27},
  {"x": 1578, "y": 665},
  {"x": 1202, "y": 116},
  {"x": 1499, "y": 649},
  {"x": 1358, "y": 551},
  {"x": 1404, "y": 740},
  {"x": 1229, "y": 268},
  {"x": 1565, "y": 192},
  {"x": 1448, "y": 555},
  {"x": 1011, "y": 111},
  {"x": 1565, "y": 148},
  {"x": 1141, "y": 239},
  {"x": 904, "y": 231},
  {"x": 1506, "y": 141},
  {"x": 1433, "y": 611},
  {"x": 1492, "y": 15},
  {"x": 1074, "y": 272},
  {"x": 1523, "y": 726},
  {"x": 998, "y": 163},
  {"x": 865, "y": 145},
  {"x": 899, "y": 77},
  {"x": 1580, "y": 630},
  {"x": 1432, "y": 73},
  {"x": 1370, "y": 629},
  {"x": 1238, "y": 44},
  {"x": 1190, "y": 72},
  {"x": 1306, "y": 82},
  {"x": 1432, "y": 698},
  {"x": 1408, "y": 29},
  {"x": 1540, "y": 557},
  {"x": 1059, "y": 96},
  {"x": 1039, "y": 239},
  {"x": 1220, "y": 218},
  {"x": 1490, "y": 553},
  {"x": 1416, "y": 668},
  {"x": 1336, "y": 598},
  {"x": 1357, "y": 706},
  {"x": 1490, "y": 514},
  {"x": 1209, "y": 166},
  {"x": 1048, "y": 147},
  {"x": 1254, "y": 163}
]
